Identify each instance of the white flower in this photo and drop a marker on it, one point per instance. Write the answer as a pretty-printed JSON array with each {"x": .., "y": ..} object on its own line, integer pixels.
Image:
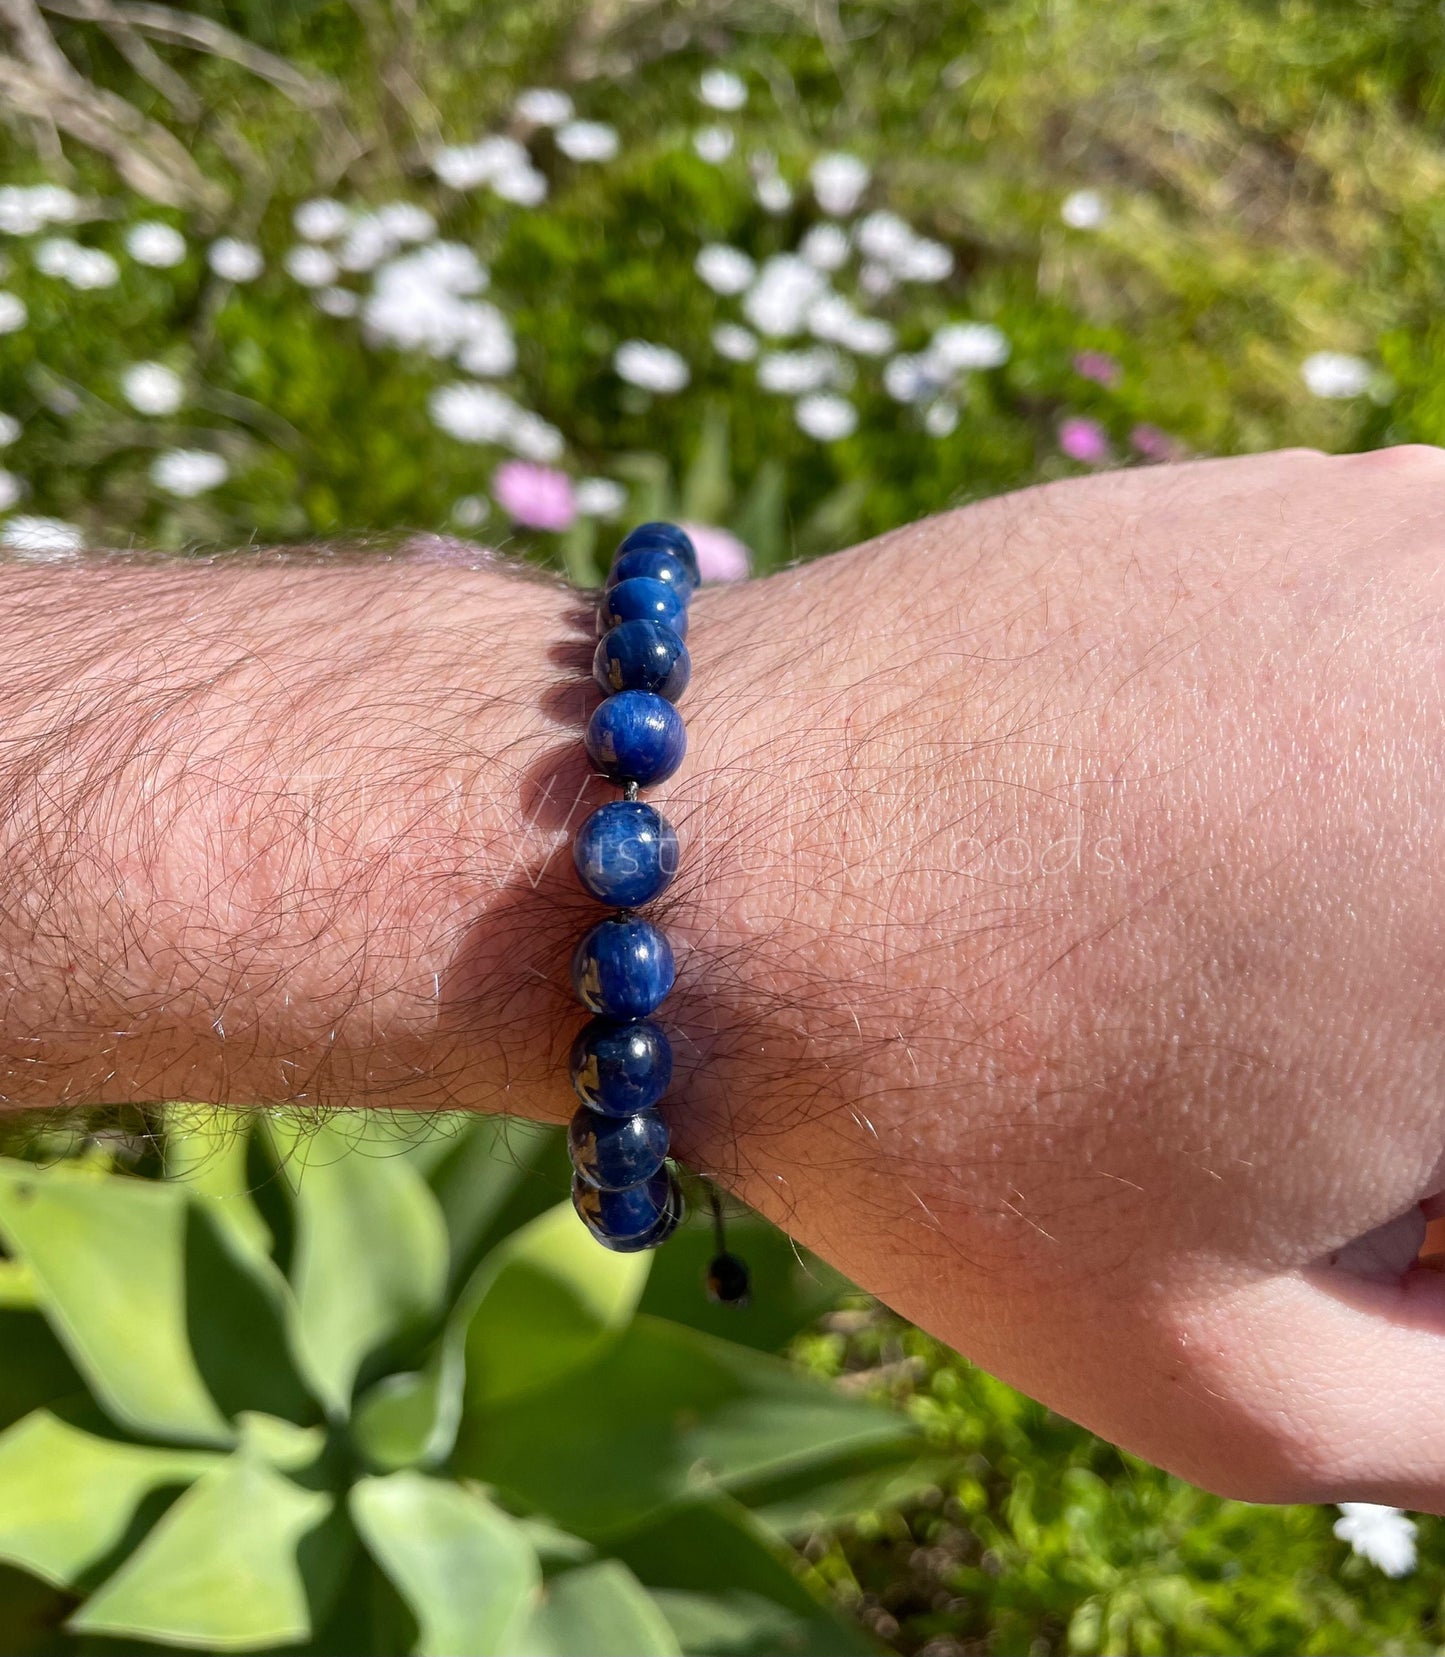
[
  {"x": 721, "y": 89},
  {"x": 906, "y": 380},
  {"x": 338, "y": 302},
  {"x": 474, "y": 413},
  {"x": 487, "y": 347},
  {"x": 1383, "y": 1535},
  {"x": 884, "y": 236},
  {"x": 188, "y": 472},
  {"x": 826, "y": 417},
  {"x": 725, "y": 269},
  {"x": 924, "y": 261},
  {"x": 653, "y": 367},
  {"x": 156, "y": 244},
  {"x": 24, "y": 209},
  {"x": 774, "y": 194},
  {"x": 234, "y": 260},
  {"x": 825, "y": 247},
  {"x": 587, "y": 141},
  {"x": 967, "y": 345},
  {"x": 941, "y": 419},
  {"x": 152, "y": 388},
  {"x": 449, "y": 265},
  {"x": 599, "y": 497},
  {"x": 534, "y": 438},
  {"x": 13, "y": 314},
  {"x": 831, "y": 317},
  {"x": 407, "y": 221},
  {"x": 321, "y": 219},
  {"x": 312, "y": 267},
  {"x": 779, "y": 300},
  {"x": 1333, "y": 374},
  {"x": 713, "y": 144},
  {"x": 838, "y": 181},
  {"x": 82, "y": 267},
  {"x": 42, "y": 537},
  {"x": 369, "y": 240},
  {"x": 543, "y": 106},
  {"x": 470, "y": 510},
  {"x": 734, "y": 342},
  {"x": 10, "y": 490},
  {"x": 465, "y": 166},
  {"x": 524, "y": 186},
  {"x": 794, "y": 372},
  {"x": 1084, "y": 210},
  {"x": 876, "y": 280},
  {"x": 9, "y": 430}
]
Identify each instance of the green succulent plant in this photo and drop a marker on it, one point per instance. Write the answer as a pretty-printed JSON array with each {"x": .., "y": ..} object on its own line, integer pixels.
[{"x": 317, "y": 1389}]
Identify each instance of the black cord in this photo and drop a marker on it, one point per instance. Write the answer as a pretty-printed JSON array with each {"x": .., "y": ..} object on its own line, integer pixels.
[{"x": 728, "y": 1280}]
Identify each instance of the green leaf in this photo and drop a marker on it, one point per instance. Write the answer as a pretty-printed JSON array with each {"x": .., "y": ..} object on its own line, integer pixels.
[
  {"x": 684, "y": 1415},
  {"x": 546, "y": 1300},
  {"x": 466, "y": 1569},
  {"x": 599, "y": 1610},
  {"x": 36, "y": 1368},
  {"x": 219, "y": 1571},
  {"x": 206, "y": 1153},
  {"x": 539, "y": 1305},
  {"x": 498, "y": 1174},
  {"x": 708, "y": 486},
  {"x": 371, "y": 1251},
  {"x": 69, "y": 1497},
  {"x": 109, "y": 1256},
  {"x": 792, "y": 1288},
  {"x": 728, "y": 1588}
]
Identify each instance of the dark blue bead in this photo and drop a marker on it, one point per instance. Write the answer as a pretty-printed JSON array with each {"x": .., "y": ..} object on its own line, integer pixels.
[
  {"x": 613, "y": 1152},
  {"x": 625, "y": 853},
  {"x": 657, "y": 564},
  {"x": 677, "y": 541},
  {"x": 642, "y": 655},
  {"x": 642, "y": 599},
  {"x": 636, "y": 737},
  {"x": 623, "y": 967},
  {"x": 620, "y": 1069},
  {"x": 629, "y": 1221}
]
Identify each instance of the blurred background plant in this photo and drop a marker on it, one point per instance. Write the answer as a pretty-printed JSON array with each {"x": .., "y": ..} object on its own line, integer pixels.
[{"x": 520, "y": 272}]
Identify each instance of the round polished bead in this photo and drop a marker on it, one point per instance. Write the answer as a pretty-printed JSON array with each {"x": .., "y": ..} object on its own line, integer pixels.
[
  {"x": 642, "y": 655},
  {"x": 623, "y": 967},
  {"x": 613, "y": 1152},
  {"x": 677, "y": 541},
  {"x": 657, "y": 564},
  {"x": 621, "y": 1068},
  {"x": 636, "y": 737},
  {"x": 642, "y": 599},
  {"x": 625, "y": 853},
  {"x": 640, "y": 1217}
]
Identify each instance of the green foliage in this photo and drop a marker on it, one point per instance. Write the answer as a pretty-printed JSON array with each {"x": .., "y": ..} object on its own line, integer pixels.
[{"x": 505, "y": 1457}]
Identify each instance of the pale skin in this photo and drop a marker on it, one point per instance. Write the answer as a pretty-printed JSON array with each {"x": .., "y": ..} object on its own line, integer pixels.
[{"x": 1061, "y": 925}]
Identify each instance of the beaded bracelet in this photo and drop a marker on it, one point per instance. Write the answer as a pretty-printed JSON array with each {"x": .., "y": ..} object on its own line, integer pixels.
[{"x": 626, "y": 853}]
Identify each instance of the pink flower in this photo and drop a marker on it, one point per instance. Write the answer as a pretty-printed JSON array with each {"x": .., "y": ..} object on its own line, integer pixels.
[
  {"x": 536, "y": 496},
  {"x": 720, "y": 556},
  {"x": 1084, "y": 440},
  {"x": 1097, "y": 365},
  {"x": 1153, "y": 444}
]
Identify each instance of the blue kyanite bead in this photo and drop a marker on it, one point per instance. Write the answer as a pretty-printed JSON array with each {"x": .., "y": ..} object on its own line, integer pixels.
[
  {"x": 657, "y": 564},
  {"x": 623, "y": 967},
  {"x": 636, "y": 737},
  {"x": 613, "y": 1152},
  {"x": 626, "y": 853},
  {"x": 620, "y": 1069},
  {"x": 628, "y": 1221},
  {"x": 642, "y": 655},
  {"x": 640, "y": 598},
  {"x": 677, "y": 541}
]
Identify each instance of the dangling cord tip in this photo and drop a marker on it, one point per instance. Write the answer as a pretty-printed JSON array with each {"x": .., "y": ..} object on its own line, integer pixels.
[{"x": 727, "y": 1276}]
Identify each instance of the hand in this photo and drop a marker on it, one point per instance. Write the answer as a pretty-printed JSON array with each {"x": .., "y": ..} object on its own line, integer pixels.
[{"x": 1074, "y": 876}]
